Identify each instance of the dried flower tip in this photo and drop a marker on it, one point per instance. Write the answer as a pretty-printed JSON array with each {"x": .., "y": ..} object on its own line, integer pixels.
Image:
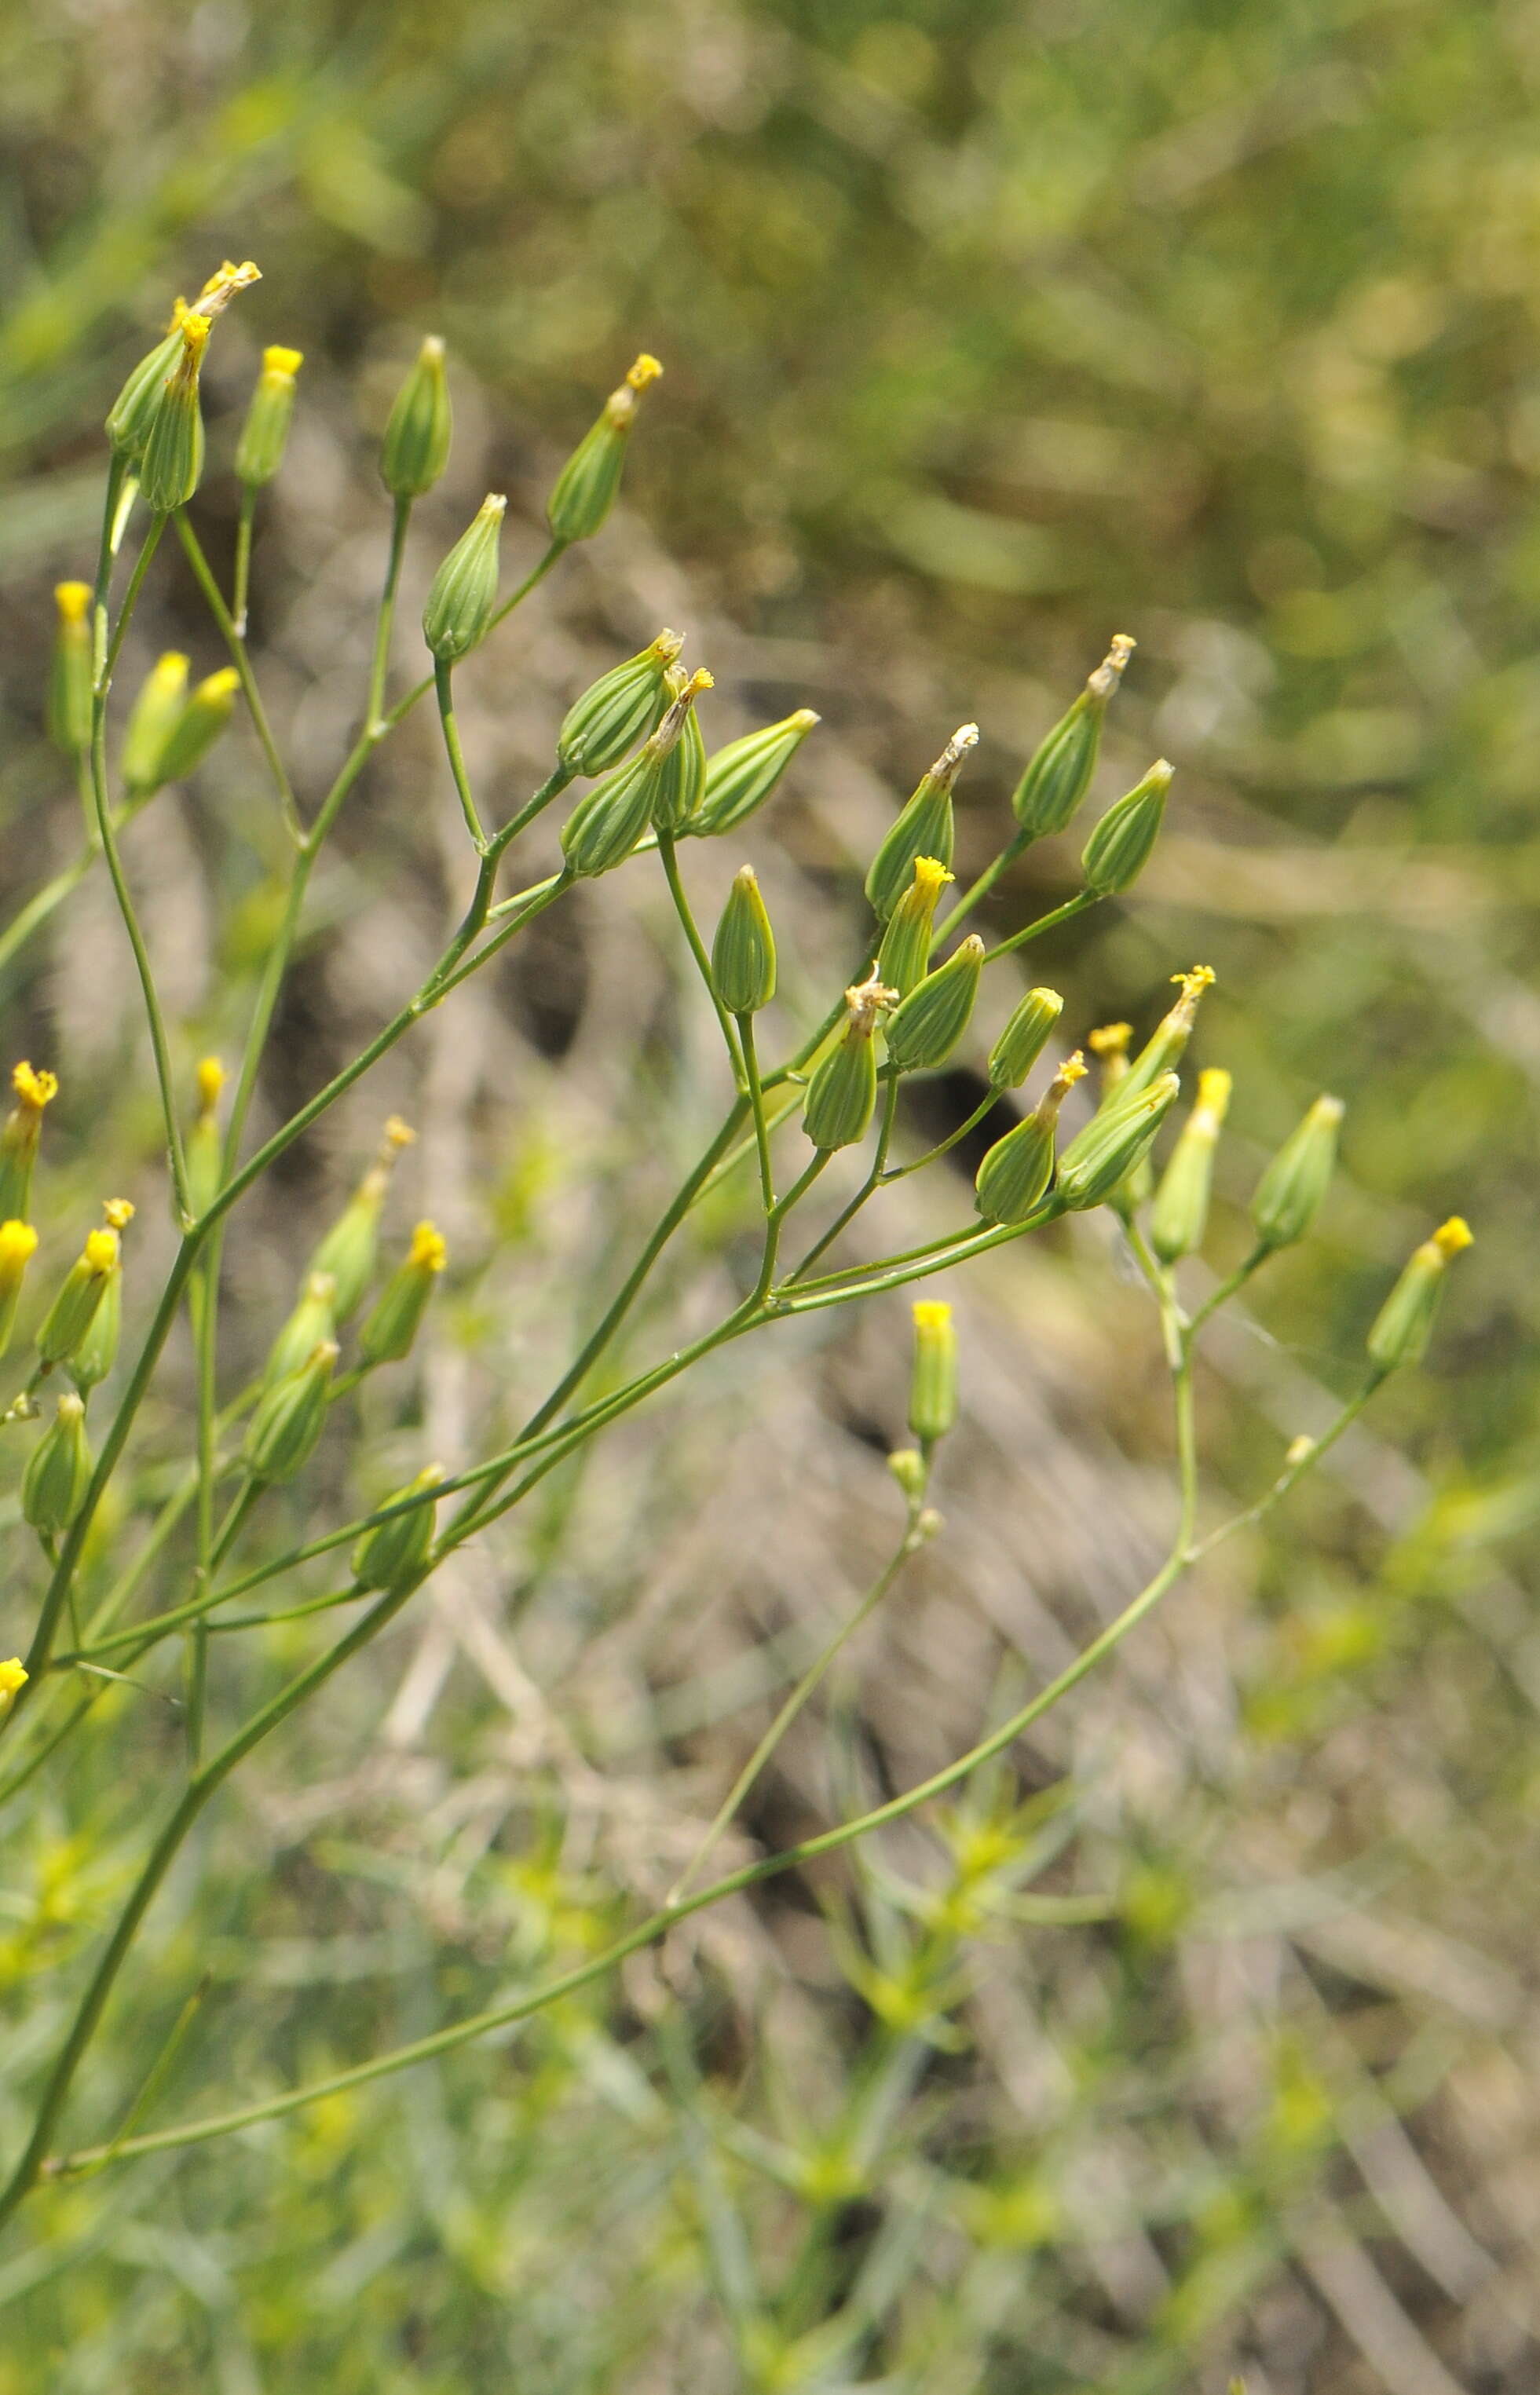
[
  {"x": 119, "y": 1213},
  {"x": 866, "y": 1001},
  {"x": 947, "y": 767},
  {"x": 923, "y": 827},
  {"x": 1109, "y": 673},
  {"x": 34, "y": 1089},
  {"x": 211, "y": 1080},
  {"x": 219, "y": 290},
  {"x": 398, "y": 1134}
]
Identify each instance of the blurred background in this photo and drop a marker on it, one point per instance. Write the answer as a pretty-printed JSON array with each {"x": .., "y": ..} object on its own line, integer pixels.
[{"x": 990, "y": 330}]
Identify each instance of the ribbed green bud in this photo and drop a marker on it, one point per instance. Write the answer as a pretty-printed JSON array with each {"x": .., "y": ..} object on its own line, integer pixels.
[
  {"x": 1164, "y": 1050},
  {"x": 1014, "y": 1175},
  {"x": 588, "y": 483},
  {"x": 743, "y": 953},
  {"x": 97, "y": 1352},
  {"x": 395, "y": 1320},
  {"x": 393, "y": 1555},
  {"x": 1180, "y": 1217},
  {"x": 416, "y": 448},
  {"x": 933, "y": 1383},
  {"x": 172, "y": 464},
  {"x": 203, "y": 1146},
  {"x": 608, "y": 820},
  {"x": 264, "y": 435},
  {"x": 59, "y": 1471},
  {"x": 133, "y": 411},
  {"x": 464, "y": 590},
  {"x": 1059, "y": 774},
  {"x": 1401, "y": 1326},
  {"x": 70, "y": 681},
  {"x": 682, "y": 774},
  {"x": 842, "y": 1092},
  {"x": 291, "y": 1416},
  {"x": 924, "y": 827},
  {"x": 1119, "y": 849},
  {"x": 18, "y": 1246},
  {"x": 313, "y": 1320},
  {"x": 617, "y": 710},
  {"x": 151, "y": 718},
  {"x": 349, "y": 1248},
  {"x": 200, "y": 723},
  {"x": 927, "y": 1026},
  {"x": 1109, "y": 1045},
  {"x": 1113, "y": 1142},
  {"x": 903, "y": 960},
  {"x": 1292, "y": 1188},
  {"x": 84, "y": 1285},
  {"x": 19, "y": 1137},
  {"x": 741, "y": 776},
  {"x": 1023, "y": 1037}
]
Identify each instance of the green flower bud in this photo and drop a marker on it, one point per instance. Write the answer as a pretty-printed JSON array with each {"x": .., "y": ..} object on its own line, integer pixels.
[
  {"x": 395, "y": 1318},
  {"x": 743, "y": 953},
  {"x": 349, "y": 1248},
  {"x": 97, "y": 1352},
  {"x": 907, "y": 1467},
  {"x": 1059, "y": 774},
  {"x": 199, "y": 725},
  {"x": 1014, "y": 1175},
  {"x": 1180, "y": 1217},
  {"x": 416, "y": 448},
  {"x": 1109, "y": 1045},
  {"x": 617, "y": 710},
  {"x": 70, "y": 682},
  {"x": 842, "y": 1092},
  {"x": 1167, "y": 1045},
  {"x": 741, "y": 776},
  {"x": 153, "y": 716},
  {"x": 313, "y": 1320},
  {"x": 588, "y": 483},
  {"x": 172, "y": 464},
  {"x": 607, "y": 821},
  {"x": 392, "y": 1557},
  {"x": 682, "y": 774},
  {"x": 18, "y": 1246},
  {"x": 464, "y": 590},
  {"x": 1119, "y": 849},
  {"x": 932, "y": 1385},
  {"x": 264, "y": 435},
  {"x": 1111, "y": 1145},
  {"x": 1292, "y": 1188},
  {"x": 204, "y": 1147},
  {"x": 929, "y": 1023},
  {"x": 290, "y": 1416},
  {"x": 1023, "y": 1040},
  {"x": 133, "y": 411},
  {"x": 84, "y": 1285},
  {"x": 903, "y": 960},
  {"x": 923, "y": 827},
  {"x": 1401, "y": 1326},
  {"x": 59, "y": 1471},
  {"x": 18, "y": 1138}
]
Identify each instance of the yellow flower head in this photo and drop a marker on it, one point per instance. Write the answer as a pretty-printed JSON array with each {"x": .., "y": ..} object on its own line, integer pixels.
[
  {"x": 195, "y": 330},
  {"x": 34, "y": 1089},
  {"x": 18, "y": 1246},
  {"x": 1214, "y": 1092},
  {"x": 645, "y": 370},
  {"x": 12, "y": 1677},
  {"x": 211, "y": 1080},
  {"x": 216, "y": 688},
  {"x": 169, "y": 671},
  {"x": 119, "y": 1213},
  {"x": 72, "y": 600},
  {"x": 398, "y": 1133},
  {"x": 1201, "y": 977},
  {"x": 931, "y": 877},
  {"x": 428, "y": 1250},
  {"x": 1111, "y": 1039},
  {"x": 101, "y": 1251},
  {"x": 284, "y": 364},
  {"x": 931, "y": 1315},
  {"x": 1451, "y": 1237}
]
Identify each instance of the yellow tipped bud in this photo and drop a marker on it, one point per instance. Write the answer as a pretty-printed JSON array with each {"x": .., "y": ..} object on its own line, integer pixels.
[
  {"x": 395, "y": 1320},
  {"x": 904, "y": 956},
  {"x": 1014, "y": 1175},
  {"x": 18, "y": 1246},
  {"x": 73, "y": 600},
  {"x": 264, "y": 435},
  {"x": 1452, "y": 1236},
  {"x": 645, "y": 370},
  {"x": 1214, "y": 1091},
  {"x": 12, "y": 1678},
  {"x": 34, "y": 1089},
  {"x": 102, "y": 1250},
  {"x": 1400, "y": 1330},
  {"x": 588, "y": 483},
  {"x": 1179, "y": 1216},
  {"x": 1111, "y": 1039},
  {"x": 932, "y": 1386},
  {"x": 18, "y": 1138},
  {"x": 211, "y": 1080},
  {"x": 277, "y": 361},
  {"x": 70, "y": 679},
  {"x": 119, "y": 1213},
  {"x": 428, "y": 1252}
]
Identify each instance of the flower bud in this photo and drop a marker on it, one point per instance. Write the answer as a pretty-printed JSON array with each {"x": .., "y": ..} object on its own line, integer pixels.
[
  {"x": 1113, "y": 1142},
  {"x": 1180, "y": 1214},
  {"x": 842, "y": 1092},
  {"x": 59, "y": 1471},
  {"x": 84, "y": 1285},
  {"x": 391, "y": 1555},
  {"x": 929, "y": 1023},
  {"x": 204, "y": 1147},
  {"x": 349, "y": 1248},
  {"x": 741, "y": 776},
  {"x": 1292, "y": 1188},
  {"x": 96, "y": 1353},
  {"x": 923, "y": 827},
  {"x": 395, "y": 1318},
  {"x": 12, "y": 1680},
  {"x": 199, "y": 725},
  {"x": 608, "y": 820},
  {"x": 1014, "y": 1175},
  {"x": 264, "y": 435},
  {"x": 743, "y": 953},
  {"x": 681, "y": 774},
  {"x": 907, "y": 1467},
  {"x": 1167, "y": 1045},
  {"x": 933, "y": 1383},
  {"x": 172, "y": 464},
  {"x": 1119, "y": 849},
  {"x": 18, "y": 1138},
  {"x": 617, "y": 710},
  {"x": 416, "y": 448},
  {"x": 1059, "y": 774},
  {"x": 133, "y": 411},
  {"x": 1400, "y": 1329},
  {"x": 1110, "y": 1046},
  {"x": 291, "y": 1416},
  {"x": 70, "y": 683},
  {"x": 903, "y": 960},
  {"x": 313, "y": 1320},
  {"x": 151, "y": 719},
  {"x": 18, "y": 1246},
  {"x": 1023, "y": 1040},
  {"x": 588, "y": 483},
  {"x": 464, "y": 590}
]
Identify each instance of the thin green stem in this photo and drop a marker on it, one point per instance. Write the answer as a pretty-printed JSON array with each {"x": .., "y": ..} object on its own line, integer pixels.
[
  {"x": 1015, "y": 846},
  {"x": 1227, "y": 1289},
  {"x": 385, "y": 617},
  {"x": 1078, "y": 905},
  {"x": 668, "y": 853},
  {"x": 756, "y": 1101},
  {"x": 444, "y": 684},
  {"x": 241, "y": 659},
  {"x": 131, "y": 600},
  {"x": 241, "y": 581},
  {"x": 945, "y": 1147},
  {"x": 868, "y": 1186}
]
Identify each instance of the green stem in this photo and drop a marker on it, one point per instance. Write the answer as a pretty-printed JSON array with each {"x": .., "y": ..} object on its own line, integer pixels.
[
  {"x": 444, "y": 683},
  {"x": 131, "y": 600},
  {"x": 242, "y": 580},
  {"x": 872, "y": 1182},
  {"x": 945, "y": 1147},
  {"x": 668, "y": 852},
  {"x": 1078, "y": 905},
  {"x": 1015, "y": 846},
  {"x": 380, "y": 666},
  {"x": 756, "y": 1101},
  {"x": 239, "y": 658},
  {"x": 1227, "y": 1289}
]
